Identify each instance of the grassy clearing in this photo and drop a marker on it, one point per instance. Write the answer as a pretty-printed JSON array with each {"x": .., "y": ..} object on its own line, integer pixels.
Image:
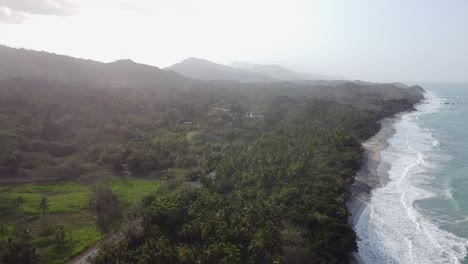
[
  {"x": 68, "y": 207},
  {"x": 81, "y": 233},
  {"x": 64, "y": 197},
  {"x": 189, "y": 136},
  {"x": 129, "y": 191}
]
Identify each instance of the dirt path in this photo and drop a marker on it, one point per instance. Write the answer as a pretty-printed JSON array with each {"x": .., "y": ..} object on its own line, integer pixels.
[
  {"x": 90, "y": 251},
  {"x": 82, "y": 257}
]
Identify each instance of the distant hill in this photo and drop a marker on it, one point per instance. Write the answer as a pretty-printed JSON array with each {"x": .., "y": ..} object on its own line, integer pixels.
[
  {"x": 206, "y": 70},
  {"x": 126, "y": 73},
  {"x": 280, "y": 72}
]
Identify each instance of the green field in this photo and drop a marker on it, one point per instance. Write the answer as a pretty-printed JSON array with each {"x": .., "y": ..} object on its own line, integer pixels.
[{"x": 68, "y": 207}]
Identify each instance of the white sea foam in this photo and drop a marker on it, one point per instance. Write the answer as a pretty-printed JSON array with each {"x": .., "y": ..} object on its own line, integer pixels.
[
  {"x": 461, "y": 221},
  {"x": 391, "y": 229}
]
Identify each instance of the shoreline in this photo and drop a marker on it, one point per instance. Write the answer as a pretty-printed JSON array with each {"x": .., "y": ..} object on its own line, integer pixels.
[{"x": 367, "y": 178}]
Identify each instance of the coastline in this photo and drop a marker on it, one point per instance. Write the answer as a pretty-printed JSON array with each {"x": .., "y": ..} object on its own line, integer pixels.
[
  {"x": 390, "y": 222},
  {"x": 367, "y": 178}
]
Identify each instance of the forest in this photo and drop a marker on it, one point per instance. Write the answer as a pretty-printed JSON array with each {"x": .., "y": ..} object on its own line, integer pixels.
[{"x": 245, "y": 173}]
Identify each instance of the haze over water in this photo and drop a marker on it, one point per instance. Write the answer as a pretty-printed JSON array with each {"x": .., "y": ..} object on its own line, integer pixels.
[{"x": 421, "y": 214}]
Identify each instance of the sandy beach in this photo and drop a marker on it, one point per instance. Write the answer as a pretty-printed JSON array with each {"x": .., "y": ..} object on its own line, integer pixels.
[{"x": 367, "y": 178}]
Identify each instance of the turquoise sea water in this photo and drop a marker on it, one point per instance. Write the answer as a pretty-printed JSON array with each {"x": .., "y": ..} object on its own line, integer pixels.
[{"x": 421, "y": 214}]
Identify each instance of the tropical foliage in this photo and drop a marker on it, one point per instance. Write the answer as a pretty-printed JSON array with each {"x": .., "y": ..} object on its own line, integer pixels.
[{"x": 263, "y": 188}]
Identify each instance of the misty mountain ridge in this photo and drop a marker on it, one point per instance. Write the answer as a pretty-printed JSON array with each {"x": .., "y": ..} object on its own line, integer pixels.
[
  {"x": 189, "y": 73},
  {"x": 126, "y": 73},
  {"x": 206, "y": 70},
  {"x": 281, "y": 72}
]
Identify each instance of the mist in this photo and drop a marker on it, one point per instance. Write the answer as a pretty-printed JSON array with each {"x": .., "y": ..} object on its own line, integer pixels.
[
  {"x": 369, "y": 40},
  {"x": 214, "y": 131}
]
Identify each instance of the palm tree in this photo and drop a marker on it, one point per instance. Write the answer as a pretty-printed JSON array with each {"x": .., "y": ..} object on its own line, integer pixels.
[
  {"x": 44, "y": 206},
  {"x": 3, "y": 231},
  {"x": 60, "y": 235}
]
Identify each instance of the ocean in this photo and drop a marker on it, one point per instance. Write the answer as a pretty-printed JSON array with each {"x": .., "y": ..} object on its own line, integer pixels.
[{"x": 420, "y": 214}]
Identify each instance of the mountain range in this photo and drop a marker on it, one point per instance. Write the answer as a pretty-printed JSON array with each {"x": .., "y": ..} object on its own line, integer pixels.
[
  {"x": 206, "y": 70},
  {"x": 39, "y": 64},
  {"x": 189, "y": 73},
  {"x": 281, "y": 72},
  {"x": 126, "y": 73},
  {"x": 240, "y": 71}
]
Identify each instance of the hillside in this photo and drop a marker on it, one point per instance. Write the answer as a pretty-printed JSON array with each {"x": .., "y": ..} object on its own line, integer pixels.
[
  {"x": 123, "y": 73},
  {"x": 206, "y": 70},
  {"x": 284, "y": 174},
  {"x": 241, "y": 172},
  {"x": 279, "y": 72}
]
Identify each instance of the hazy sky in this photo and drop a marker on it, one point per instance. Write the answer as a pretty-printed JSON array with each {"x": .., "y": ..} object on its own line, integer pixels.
[{"x": 376, "y": 40}]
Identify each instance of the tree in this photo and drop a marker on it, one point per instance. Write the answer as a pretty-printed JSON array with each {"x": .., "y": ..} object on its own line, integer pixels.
[
  {"x": 106, "y": 207},
  {"x": 3, "y": 231},
  {"x": 19, "y": 253},
  {"x": 43, "y": 207},
  {"x": 60, "y": 235},
  {"x": 9, "y": 145}
]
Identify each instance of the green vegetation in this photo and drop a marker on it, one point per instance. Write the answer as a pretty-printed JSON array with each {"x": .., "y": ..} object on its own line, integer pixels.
[
  {"x": 70, "y": 223},
  {"x": 129, "y": 191},
  {"x": 43, "y": 207},
  {"x": 236, "y": 189},
  {"x": 64, "y": 197}
]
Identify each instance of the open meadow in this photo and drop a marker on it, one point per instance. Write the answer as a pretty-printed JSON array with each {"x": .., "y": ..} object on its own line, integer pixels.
[{"x": 69, "y": 224}]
